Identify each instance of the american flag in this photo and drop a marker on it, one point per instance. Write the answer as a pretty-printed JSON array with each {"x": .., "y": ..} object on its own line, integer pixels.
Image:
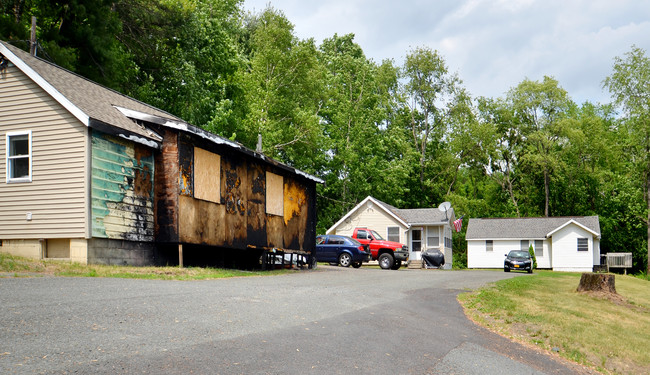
[{"x": 458, "y": 223}]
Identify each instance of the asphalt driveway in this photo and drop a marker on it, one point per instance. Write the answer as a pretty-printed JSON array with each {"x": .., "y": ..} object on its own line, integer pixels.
[{"x": 328, "y": 321}]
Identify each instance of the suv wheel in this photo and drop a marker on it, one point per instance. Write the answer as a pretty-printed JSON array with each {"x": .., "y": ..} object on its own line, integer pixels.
[{"x": 386, "y": 261}]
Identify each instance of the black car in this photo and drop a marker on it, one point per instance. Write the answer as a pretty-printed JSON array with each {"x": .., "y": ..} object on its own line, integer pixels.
[
  {"x": 518, "y": 260},
  {"x": 343, "y": 250}
]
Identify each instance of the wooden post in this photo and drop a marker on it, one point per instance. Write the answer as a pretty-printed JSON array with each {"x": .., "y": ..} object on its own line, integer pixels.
[
  {"x": 32, "y": 38},
  {"x": 180, "y": 255}
]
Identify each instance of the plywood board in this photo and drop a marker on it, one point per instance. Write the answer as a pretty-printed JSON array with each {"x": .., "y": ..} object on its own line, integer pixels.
[
  {"x": 274, "y": 194},
  {"x": 207, "y": 181},
  {"x": 201, "y": 222}
]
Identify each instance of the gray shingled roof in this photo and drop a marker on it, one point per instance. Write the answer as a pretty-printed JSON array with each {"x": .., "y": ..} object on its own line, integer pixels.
[
  {"x": 419, "y": 215},
  {"x": 91, "y": 98},
  {"x": 525, "y": 228}
]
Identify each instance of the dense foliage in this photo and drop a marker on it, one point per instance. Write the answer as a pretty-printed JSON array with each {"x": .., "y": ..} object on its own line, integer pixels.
[{"x": 409, "y": 135}]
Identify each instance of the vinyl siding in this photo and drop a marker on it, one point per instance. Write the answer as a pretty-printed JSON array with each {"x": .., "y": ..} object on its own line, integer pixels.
[
  {"x": 566, "y": 256},
  {"x": 372, "y": 217},
  {"x": 478, "y": 257},
  {"x": 56, "y": 196}
]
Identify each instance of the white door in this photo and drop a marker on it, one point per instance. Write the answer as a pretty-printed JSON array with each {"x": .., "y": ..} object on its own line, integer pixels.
[{"x": 415, "y": 248}]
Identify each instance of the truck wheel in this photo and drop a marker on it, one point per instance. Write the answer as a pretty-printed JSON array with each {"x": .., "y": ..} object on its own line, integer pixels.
[
  {"x": 356, "y": 264},
  {"x": 397, "y": 265},
  {"x": 345, "y": 259},
  {"x": 385, "y": 261}
]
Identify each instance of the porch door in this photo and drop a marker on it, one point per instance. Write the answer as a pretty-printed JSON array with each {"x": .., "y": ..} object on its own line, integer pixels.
[{"x": 416, "y": 244}]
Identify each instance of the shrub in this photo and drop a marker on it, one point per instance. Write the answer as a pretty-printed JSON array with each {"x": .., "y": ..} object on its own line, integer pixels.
[{"x": 531, "y": 251}]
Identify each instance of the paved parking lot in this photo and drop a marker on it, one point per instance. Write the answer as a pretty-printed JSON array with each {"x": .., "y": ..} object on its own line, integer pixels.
[{"x": 327, "y": 321}]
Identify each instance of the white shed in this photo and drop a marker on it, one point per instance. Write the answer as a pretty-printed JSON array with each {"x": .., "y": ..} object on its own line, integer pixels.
[{"x": 560, "y": 243}]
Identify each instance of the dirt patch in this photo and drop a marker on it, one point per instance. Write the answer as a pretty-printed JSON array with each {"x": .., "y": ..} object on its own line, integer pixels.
[{"x": 616, "y": 299}]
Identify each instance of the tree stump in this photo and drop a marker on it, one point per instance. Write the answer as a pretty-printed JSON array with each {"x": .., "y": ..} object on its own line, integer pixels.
[{"x": 597, "y": 282}]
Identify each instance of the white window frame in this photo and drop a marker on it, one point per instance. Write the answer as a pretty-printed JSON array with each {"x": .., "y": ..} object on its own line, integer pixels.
[
  {"x": 433, "y": 232},
  {"x": 8, "y": 170},
  {"x": 585, "y": 244},
  {"x": 539, "y": 250},
  {"x": 489, "y": 245},
  {"x": 388, "y": 233}
]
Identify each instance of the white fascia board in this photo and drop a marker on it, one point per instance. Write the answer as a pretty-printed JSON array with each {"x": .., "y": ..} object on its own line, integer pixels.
[
  {"x": 389, "y": 212},
  {"x": 572, "y": 222},
  {"x": 46, "y": 86},
  {"x": 328, "y": 231},
  {"x": 361, "y": 204},
  {"x": 505, "y": 239}
]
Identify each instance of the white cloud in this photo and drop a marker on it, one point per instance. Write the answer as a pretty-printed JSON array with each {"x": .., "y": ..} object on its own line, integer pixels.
[{"x": 493, "y": 45}]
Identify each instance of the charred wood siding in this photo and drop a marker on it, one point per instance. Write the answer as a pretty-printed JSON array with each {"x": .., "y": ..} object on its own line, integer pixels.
[
  {"x": 166, "y": 189},
  {"x": 238, "y": 219},
  {"x": 122, "y": 189}
]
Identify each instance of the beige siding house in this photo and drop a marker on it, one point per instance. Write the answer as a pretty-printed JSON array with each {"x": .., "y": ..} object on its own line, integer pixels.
[
  {"x": 420, "y": 228},
  {"x": 52, "y": 124}
]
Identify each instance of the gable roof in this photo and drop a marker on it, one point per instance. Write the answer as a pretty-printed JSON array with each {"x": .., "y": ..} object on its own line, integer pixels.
[
  {"x": 406, "y": 217},
  {"x": 527, "y": 228},
  {"x": 91, "y": 103},
  {"x": 383, "y": 206}
]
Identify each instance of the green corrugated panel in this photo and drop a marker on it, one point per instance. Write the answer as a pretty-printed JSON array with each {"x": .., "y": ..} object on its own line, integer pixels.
[{"x": 113, "y": 172}]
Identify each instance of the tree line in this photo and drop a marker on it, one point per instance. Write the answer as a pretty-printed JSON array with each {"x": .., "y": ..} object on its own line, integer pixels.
[{"x": 410, "y": 135}]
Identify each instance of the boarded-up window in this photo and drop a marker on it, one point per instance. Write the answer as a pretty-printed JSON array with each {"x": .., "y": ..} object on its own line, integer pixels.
[
  {"x": 207, "y": 175},
  {"x": 274, "y": 194}
]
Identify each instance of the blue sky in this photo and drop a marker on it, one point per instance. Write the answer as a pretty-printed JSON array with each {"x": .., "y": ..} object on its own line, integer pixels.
[{"x": 492, "y": 44}]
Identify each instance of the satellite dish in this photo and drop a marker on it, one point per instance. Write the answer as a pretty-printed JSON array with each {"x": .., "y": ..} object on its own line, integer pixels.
[{"x": 444, "y": 206}]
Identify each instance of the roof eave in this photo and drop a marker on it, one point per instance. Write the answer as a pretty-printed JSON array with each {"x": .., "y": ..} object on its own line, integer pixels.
[
  {"x": 45, "y": 85},
  {"x": 189, "y": 128}
]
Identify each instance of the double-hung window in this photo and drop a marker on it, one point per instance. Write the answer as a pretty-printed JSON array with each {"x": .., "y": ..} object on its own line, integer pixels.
[
  {"x": 19, "y": 156},
  {"x": 393, "y": 234},
  {"x": 583, "y": 244}
]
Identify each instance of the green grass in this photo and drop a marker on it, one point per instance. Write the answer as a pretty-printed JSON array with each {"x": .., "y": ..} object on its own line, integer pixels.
[
  {"x": 608, "y": 333},
  {"x": 23, "y": 267}
]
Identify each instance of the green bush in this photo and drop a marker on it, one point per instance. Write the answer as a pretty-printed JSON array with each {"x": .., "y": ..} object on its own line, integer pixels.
[{"x": 531, "y": 251}]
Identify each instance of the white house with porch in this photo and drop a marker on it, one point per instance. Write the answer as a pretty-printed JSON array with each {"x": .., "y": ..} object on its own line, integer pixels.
[
  {"x": 560, "y": 243},
  {"x": 418, "y": 228}
]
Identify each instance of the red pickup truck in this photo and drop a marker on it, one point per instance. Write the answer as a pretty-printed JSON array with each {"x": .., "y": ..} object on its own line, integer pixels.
[{"x": 389, "y": 254}]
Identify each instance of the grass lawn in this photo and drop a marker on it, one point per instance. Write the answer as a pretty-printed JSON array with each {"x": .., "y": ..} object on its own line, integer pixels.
[
  {"x": 19, "y": 266},
  {"x": 610, "y": 333}
]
